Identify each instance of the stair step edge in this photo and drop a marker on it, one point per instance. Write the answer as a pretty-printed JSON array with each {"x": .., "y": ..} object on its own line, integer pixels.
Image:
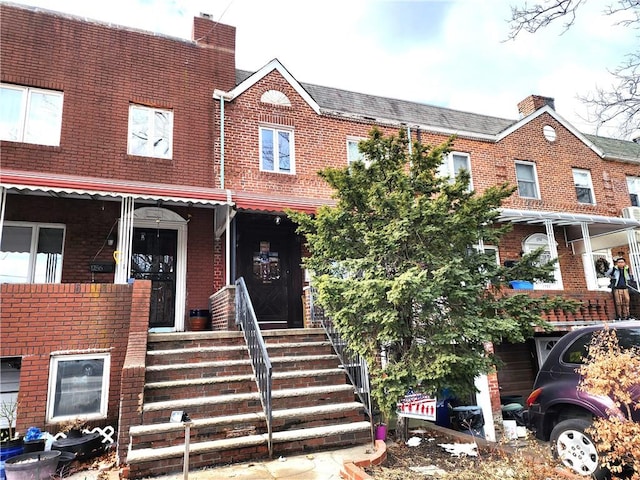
[
  {"x": 200, "y": 381},
  {"x": 138, "y": 430},
  {"x": 152, "y": 454},
  {"x": 182, "y": 404},
  {"x": 182, "y": 350},
  {"x": 180, "y": 366}
]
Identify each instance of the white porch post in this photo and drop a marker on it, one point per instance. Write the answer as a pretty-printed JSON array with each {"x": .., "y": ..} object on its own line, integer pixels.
[
  {"x": 634, "y": 251},
  {"x": 125, "y": 240},
  {"x": 588, "y": 251},
  {"x": 553, "y": 250}
]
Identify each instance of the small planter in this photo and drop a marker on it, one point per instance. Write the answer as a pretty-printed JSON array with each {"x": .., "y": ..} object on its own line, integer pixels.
[
  {"x": 9, "y": 449},
  {"x": 32, "y": 466},
  {"x": 381, "y": 432}
]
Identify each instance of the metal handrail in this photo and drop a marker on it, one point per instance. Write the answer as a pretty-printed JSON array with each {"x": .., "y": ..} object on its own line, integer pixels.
[
  {"x": 262, "y": 370},
  {"x": 355, "y": 365}
]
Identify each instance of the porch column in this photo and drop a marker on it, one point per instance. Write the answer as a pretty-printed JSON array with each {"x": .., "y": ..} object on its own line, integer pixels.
[
  {"x": 634, "y": 253},
  {"x": 3, "y": 201},
  {"x": 553, "y": 250},
  {"x": 588, "y": 251},
  {"x": 125, "y": 240}
]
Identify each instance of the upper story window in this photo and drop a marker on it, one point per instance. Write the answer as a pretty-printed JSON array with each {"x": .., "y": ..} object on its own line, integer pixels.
[
  {"x": 353, "y": 151},
  {"x": 584, "y": 187},
  {"x": 78, "y": 386},
  {"x": 150, "y": 132},
  {"x": 527, "y": 179},
  {"x": 30, "y": 115},
  {"x": 453, "y": 163},
  {"x": 633, "y": 185},
  {"x": 31, "y": 253},
  {"x": 276, "y": 150}
]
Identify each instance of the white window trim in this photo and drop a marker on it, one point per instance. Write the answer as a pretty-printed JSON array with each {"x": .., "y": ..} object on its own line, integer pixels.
[
  {"x": 276, "y": 158},
  {"x": 633, "y": 187},
  {"x": 35, "y": 226},
  {"x": 24, "y": 108},
  {"x": 536, "y": 240},
  {"x": 535, "y": 178},
  {"x": 448, "y": 162},
  {"x": 596, "y": 283},
  {"x": 149, "y": 150},
  {"x": 356, "y": 140},
  {"x": 53, "y": 377},
  {"x": 589, "y": 185}
]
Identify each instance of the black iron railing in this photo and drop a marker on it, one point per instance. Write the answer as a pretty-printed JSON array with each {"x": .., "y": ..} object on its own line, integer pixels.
[
  {"x": 246, "y": 319},
  {"x": 354, "y": 365}
]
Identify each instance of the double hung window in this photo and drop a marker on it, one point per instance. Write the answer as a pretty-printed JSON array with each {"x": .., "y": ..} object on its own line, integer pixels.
[
  {"x": 453, "y": 164},
  {"x": 276, "y": 150},
  {"x": 527, "y": 180},
  {"x": 584, "y": 187},
  {"x": 633, "y": 185},
  {"x": 30, "y": 115},
  {"x": 150, "y": 132}
]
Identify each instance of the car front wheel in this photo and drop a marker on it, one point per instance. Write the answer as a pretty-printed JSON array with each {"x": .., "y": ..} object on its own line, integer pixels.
[{"x": 573, "y": 446}]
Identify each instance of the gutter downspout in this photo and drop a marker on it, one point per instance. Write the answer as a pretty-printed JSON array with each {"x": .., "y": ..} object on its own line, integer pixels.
[{"x": 222, "y": 96}]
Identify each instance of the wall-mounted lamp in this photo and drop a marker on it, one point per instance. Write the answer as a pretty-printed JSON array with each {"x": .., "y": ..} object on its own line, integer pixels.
[
  {"x": 111, "y": 239},
  {"x": 278, "y": 220}
]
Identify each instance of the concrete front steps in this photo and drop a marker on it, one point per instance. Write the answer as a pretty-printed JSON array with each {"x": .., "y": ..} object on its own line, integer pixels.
[{"x": 209, "y": 376}]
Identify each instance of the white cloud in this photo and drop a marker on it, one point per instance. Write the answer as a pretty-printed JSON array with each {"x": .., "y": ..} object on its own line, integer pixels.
[{"x": 461, "y": 60}]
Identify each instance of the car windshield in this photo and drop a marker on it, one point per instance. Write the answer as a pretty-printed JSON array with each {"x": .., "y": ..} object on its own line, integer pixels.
[{"x": 577, "y": 352}]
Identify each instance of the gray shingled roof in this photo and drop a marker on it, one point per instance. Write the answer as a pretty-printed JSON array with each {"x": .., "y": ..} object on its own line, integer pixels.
[
  {"x": 377, "y": 108},
  {"x": 618, "y": 149}
]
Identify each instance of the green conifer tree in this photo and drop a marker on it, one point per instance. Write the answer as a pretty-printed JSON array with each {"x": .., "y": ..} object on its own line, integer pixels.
[{"x": 397, "y": 267}]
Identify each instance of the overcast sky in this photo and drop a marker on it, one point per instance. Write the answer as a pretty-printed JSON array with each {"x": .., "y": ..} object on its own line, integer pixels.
[{"x": 450, "y": 53}]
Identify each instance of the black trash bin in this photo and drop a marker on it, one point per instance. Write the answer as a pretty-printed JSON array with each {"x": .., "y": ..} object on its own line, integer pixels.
[{"x": 468, "y": 419}]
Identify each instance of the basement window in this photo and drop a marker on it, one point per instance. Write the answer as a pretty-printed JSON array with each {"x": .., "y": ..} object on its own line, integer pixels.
[{"x": 78, "y": 387}]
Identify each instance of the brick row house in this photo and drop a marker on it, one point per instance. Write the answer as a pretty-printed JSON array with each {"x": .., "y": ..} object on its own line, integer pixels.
[{"x": 141, "y": 175}]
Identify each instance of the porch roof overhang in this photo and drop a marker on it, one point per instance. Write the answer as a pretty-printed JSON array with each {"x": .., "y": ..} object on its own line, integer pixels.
[
  {"x": 604, "y": 231},
  {"x": 72, "y": 186},
  {"x": 277, "y": 204}
]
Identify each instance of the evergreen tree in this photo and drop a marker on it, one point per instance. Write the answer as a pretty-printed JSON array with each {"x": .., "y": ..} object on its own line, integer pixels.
[{"x": 396, "y": 265}]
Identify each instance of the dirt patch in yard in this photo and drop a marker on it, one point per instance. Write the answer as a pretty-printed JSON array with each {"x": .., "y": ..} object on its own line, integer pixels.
[{"x": 524, "y": 459}]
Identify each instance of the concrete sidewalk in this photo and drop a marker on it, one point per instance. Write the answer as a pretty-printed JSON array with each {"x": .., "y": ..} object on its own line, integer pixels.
[{"x": 324, "y": 465}]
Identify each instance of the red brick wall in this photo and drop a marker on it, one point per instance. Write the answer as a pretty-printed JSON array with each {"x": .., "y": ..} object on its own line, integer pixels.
[
  {"x": 37, "y": 320},
  {"x": 132, "y": 377},
  {"x": 222, "y": 306},
  {"x": 102, "y": 70}
]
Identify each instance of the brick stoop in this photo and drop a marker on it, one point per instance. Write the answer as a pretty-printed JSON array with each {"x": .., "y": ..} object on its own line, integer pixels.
[{"x": 208, "y": 375}]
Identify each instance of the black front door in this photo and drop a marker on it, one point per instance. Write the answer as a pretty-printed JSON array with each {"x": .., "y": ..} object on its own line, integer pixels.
[
  {"x": 268, "y": 257},
  {"x": 154, "y": 258}
]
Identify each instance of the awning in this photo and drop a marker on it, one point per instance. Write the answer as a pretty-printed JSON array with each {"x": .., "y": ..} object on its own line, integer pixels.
[
  {"x": 71, "y": 186},
  {"x": 604, "y": 231},
  {"x": 277, "y": 204}
]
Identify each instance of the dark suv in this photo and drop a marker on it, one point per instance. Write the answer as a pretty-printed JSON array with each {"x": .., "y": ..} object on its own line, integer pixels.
[{"x": 560, "y": 413}]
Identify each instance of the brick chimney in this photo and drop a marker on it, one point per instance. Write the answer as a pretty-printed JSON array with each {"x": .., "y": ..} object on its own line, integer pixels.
[
  {"x": 206, "y": 31},
  {"x": 533, "y": 103}
]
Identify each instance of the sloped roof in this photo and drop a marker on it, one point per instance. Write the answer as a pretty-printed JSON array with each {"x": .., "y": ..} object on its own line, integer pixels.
[
  {"x": 617, "y": 149},
  {"x": 382, "y": 109}
]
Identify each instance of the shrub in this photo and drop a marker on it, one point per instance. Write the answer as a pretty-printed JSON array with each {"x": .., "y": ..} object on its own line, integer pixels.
[{"x": 612, "y": 371}]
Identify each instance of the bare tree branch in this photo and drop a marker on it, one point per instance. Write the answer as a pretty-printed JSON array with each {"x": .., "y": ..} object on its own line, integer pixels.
[
  {"x": 533, "y": 18},
  {"x": 618, "y": 104}
]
